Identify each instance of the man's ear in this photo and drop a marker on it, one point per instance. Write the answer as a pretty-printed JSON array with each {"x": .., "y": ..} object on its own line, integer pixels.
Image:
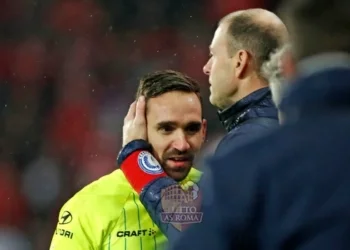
[
  {"x": 204, "y": 129},
  {"x": 241, "y": 63}
]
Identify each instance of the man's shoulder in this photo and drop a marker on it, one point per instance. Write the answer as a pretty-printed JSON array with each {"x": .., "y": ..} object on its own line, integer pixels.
[
  {"x": 288, "y": 144},
  {"x": 111, "y": 184},
  {"x": 246, "y": 132},
  {"x": 266, "y": 144},
  {"x": 107, "y": 194},
  {"x": 256, "y": 125},
  {"x": 92, "y": 213}
]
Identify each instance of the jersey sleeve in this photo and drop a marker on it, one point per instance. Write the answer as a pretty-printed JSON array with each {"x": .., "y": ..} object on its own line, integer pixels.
[
  {"x": 74, "y": 228},
  {"x": 151, "y": 197}
]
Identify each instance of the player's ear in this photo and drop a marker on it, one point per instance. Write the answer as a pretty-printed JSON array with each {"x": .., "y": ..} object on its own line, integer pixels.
[{"x": 204, "y": 129}]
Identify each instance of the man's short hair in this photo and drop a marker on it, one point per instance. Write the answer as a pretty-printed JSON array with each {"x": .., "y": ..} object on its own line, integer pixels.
[
  {"x": 317, "y": 26},
  {"x": 272, "y": 71},
  {"x": 160, "y": 82},
  {"x": 246, "y": 32}
]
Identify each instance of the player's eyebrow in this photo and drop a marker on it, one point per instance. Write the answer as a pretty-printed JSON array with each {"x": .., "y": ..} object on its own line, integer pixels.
[
  {"x": 194, "y": 124},
  {"x": 174, "y": 124},
  {"x": 165, "y": 124}
]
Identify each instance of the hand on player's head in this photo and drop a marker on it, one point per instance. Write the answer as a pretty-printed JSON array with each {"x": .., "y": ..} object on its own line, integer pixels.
[{"x": 135, "y": 126}]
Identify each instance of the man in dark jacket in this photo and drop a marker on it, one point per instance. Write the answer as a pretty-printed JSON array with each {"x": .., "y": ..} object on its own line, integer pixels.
[
  {"x": 289, "y": 190},
  {"x": 242, "y": 42}
]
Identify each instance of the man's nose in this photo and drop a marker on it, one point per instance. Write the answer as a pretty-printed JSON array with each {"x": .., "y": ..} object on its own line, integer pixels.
[
  {"x": 181, "y": 143},
  {"x": 206, "y": 68}
]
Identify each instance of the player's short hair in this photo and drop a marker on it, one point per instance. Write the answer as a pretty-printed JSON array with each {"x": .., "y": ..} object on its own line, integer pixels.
[
  {"x": 272, "y": 71},
  {"x": 245, "y": 31},
  {"x": 317, "y": 26},
  {"x": 160, "y": 82}
]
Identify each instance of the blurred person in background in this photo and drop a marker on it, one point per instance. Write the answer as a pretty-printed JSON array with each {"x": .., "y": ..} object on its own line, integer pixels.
[
  {"x": 107, "y": 214},
  {"x": 273, "y": 71},
  {"x": 293, "y": 193}
]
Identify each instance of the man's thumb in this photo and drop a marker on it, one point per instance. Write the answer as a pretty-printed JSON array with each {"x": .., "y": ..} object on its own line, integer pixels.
[{"x": 140, "y": 111}]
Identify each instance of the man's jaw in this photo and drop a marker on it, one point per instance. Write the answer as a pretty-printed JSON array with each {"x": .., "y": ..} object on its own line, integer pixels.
[{"x": 177, "y": 170}]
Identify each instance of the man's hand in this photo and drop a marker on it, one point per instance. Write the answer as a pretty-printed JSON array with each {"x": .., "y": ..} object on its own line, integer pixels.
[
  {"x": 135, "y": 159},
  {"x": 135, "y": 126}
]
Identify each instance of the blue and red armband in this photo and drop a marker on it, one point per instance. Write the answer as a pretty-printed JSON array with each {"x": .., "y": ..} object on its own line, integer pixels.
[{"x": 138, "y": 164}]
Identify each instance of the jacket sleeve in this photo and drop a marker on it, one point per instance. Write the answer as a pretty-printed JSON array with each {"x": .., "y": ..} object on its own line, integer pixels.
[
  {"x": 74, "y": 229},
  {"x": 230, "y": 193},
  {"x": 151, "y": 197}
]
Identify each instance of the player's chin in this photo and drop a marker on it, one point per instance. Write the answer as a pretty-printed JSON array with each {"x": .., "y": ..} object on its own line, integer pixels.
[{"x": 176, "y": 170}]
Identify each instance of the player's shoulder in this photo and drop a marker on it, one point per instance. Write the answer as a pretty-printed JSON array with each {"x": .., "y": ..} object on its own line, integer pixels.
[
  {"x": 88, "y": 217},
  {"x": 193, "y": 176},
  {"x": 111, "y": 184},
  {"x": 105, "y": 195}
]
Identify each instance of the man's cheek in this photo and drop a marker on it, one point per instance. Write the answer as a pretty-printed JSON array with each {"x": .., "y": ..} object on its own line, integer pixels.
[
  {"x": 157, "y": 153},
  {"x": 196, "y": 144}
]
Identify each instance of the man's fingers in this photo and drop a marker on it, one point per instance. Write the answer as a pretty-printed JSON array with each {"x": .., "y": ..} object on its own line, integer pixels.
[
  {"x": 135, "y": 122},
  {"x": 140, "y": 111},
  {"x": 131, "y": 113}
]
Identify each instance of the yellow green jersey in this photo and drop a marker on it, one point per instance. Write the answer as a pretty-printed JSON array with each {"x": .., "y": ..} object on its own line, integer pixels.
[{"x": 108, "y": 215}]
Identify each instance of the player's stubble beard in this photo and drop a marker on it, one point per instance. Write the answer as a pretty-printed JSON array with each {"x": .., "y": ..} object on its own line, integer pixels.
[{"x": 177, "y": 170}]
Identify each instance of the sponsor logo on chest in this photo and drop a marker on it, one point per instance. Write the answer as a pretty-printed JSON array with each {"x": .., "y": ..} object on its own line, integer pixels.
[{"x": 136, "y": 233}]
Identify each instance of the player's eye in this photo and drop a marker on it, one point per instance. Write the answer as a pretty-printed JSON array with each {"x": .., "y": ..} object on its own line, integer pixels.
[
  {"x": 166, "y": 129},
  {"x": 193, "y": 128}
]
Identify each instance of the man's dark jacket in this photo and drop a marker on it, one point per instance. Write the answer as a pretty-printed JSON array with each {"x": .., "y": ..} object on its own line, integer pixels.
[
  {"x": 287, "y": 190},
  {"x": 245, "y": 121},
  {"x": 248, "y": 119}
]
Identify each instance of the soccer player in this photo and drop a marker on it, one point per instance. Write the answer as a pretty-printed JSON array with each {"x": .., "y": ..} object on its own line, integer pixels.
[{"x": 108, "y": 214}]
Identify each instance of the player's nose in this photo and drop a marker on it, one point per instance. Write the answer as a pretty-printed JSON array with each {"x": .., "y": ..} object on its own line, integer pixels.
[{"x": 181, "y": 143}]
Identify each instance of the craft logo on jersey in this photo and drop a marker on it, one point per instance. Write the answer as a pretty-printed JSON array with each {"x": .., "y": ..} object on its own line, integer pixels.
[
  {"x": 136, "y": 233},
  {"x": 181, "y": 206},
  {"x": 148, "y": 163}
]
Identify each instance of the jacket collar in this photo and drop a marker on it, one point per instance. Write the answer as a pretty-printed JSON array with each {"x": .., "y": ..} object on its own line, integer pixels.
[{"x": 239, "y": 111}]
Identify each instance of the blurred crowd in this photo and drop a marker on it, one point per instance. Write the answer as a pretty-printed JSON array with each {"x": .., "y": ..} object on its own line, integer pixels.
[{"x": 68, "y": 72}]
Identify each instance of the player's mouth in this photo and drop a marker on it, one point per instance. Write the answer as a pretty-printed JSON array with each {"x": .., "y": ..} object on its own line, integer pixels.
[{"x": 180, "y": 162}]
